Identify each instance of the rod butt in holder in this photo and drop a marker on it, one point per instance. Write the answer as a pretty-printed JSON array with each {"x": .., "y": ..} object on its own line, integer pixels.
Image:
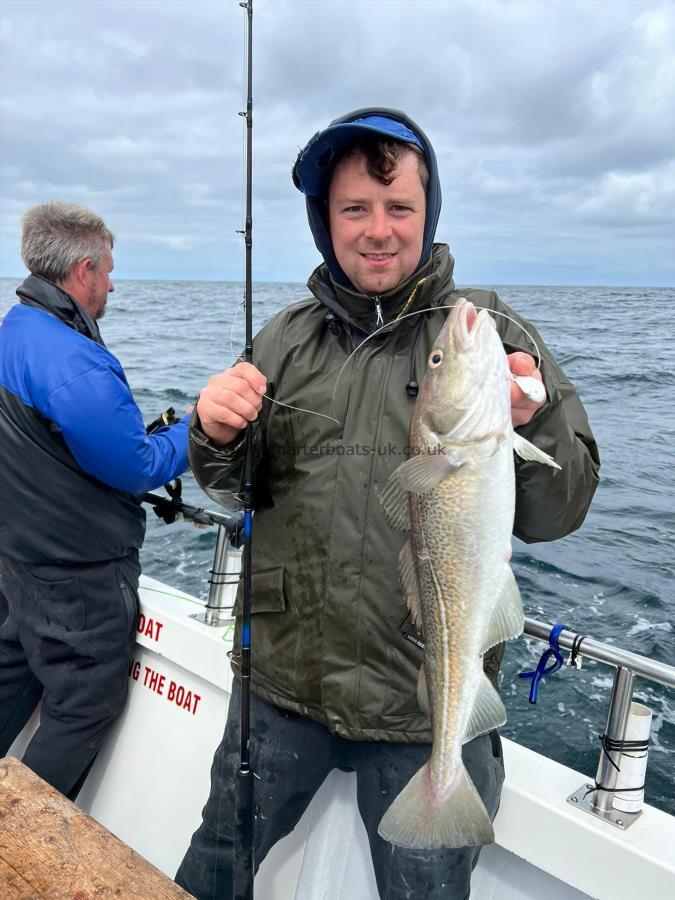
[{"x": 223, "y": 581}]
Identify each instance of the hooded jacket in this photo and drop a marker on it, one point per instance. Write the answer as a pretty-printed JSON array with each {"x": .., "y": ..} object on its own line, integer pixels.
[
  {"x": 317, "y": 157},
  {"x": 329, "y": 638},
  {"x": 74, "y": 454}
]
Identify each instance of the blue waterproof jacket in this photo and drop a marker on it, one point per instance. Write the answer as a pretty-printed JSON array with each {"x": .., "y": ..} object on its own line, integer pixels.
[{"x": 74, "y": 453}]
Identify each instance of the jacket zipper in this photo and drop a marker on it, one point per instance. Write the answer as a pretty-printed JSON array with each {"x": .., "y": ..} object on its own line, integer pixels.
[{"x": 378, "y": 309}]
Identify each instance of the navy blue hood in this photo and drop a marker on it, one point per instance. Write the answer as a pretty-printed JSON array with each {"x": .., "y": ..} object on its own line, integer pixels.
[{"x": 315, "y": 162}]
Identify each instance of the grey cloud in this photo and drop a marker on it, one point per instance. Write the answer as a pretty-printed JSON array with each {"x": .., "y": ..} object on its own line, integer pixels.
[{"x": 554, "y": 125}]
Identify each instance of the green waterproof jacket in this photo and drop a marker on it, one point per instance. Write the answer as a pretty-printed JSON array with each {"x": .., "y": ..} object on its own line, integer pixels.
[{"x": 327, "y": 608}]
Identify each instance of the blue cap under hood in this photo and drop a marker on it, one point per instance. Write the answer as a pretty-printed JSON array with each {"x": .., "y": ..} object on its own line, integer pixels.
[{"x": 315, "y": 161}]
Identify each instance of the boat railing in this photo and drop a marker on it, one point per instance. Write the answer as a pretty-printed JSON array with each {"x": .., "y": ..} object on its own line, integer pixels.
[{"x": 598, "y": 798}]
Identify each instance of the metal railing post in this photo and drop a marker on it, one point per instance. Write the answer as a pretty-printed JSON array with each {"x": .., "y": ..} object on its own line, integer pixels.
[
  {"x": 617, "y": 720},
  {"x": 598, "y": 799}
]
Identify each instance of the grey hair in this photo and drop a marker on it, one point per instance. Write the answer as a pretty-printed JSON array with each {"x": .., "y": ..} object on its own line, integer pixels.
[{"x": 55, "y": 236}]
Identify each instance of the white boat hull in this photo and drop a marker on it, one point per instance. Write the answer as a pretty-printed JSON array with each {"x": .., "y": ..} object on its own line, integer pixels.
[{"x": 151, "y": 780}]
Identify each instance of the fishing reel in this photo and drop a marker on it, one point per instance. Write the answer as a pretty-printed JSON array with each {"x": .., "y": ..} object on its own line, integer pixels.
[{"x": 163, "y": 420}]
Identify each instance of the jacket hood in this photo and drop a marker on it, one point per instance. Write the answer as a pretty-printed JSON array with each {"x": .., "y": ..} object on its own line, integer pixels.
[
  {"x": 38, "y": 292},
  {"x": 314, "y": 162}
]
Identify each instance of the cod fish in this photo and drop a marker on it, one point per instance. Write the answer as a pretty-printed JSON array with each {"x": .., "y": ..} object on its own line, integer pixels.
[{"x": 456, "y": 497}]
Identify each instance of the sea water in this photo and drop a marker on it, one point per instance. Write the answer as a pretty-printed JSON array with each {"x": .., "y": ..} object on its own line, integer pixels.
[{"x": 614, "y": 579}]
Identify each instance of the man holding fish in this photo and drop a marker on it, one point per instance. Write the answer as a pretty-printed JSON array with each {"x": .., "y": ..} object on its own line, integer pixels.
[{"x": 341, "y": 676}]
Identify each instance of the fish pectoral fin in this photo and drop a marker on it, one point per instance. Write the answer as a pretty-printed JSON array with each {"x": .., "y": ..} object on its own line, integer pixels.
[
  {"x": 487, "y": 712},
  {"x": 526, "y": 450},
  {"x": 422, "y": 473},
  {"x": 394, "y": 502},
  {"x": 423, "y": 691},
  {"x": 408, "y": 579},
  {"x": 417, "y": 820},
  {"x": 507, "y": 619}
]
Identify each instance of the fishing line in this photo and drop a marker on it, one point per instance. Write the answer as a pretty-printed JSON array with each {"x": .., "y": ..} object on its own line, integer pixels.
[
  {"x": 239, "y": 357},
  {"x": 300, "y": 409},
  {"x": 631, "y": 750},
  {"x": 417, "y": 312}
]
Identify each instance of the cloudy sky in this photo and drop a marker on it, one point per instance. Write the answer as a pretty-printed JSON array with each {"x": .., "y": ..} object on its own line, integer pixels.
[{"x": 554, "y": 124}]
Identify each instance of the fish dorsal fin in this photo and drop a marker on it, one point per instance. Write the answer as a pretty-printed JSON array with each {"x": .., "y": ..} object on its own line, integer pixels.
[
  {"x": 408, "y": 578},
  {"x": 487, "y": 712},
  {"x": 526, "y": 450},
  {"x": 507, "y": 619},
  {"x": 394, "y": 502},
  {"x": 422, "y": 473}
]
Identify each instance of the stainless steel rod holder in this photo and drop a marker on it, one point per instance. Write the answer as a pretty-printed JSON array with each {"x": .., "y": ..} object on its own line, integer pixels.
[
  {"x": 217, "y": 609},
  {"x": 588, "y": 797},
  {"x": 217, "y": 580},
  {"x": 617, "y": 720}
]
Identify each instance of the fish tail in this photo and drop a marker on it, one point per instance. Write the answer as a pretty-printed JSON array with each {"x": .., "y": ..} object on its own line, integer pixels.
[{"x": 419, "y": 821}]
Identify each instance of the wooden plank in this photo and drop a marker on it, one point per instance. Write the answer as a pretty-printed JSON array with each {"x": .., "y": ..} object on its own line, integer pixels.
[
  {"x": 51, "y": 849},
  {"x": 14, "y": 886}
]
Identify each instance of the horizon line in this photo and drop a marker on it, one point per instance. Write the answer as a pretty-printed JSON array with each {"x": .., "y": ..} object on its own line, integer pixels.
[{"x": 304, "y": 283}]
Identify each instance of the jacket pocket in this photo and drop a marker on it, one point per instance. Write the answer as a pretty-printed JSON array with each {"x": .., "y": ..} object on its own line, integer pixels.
[
  {"x": 267, "y": 592},
  {"x": 61, "y": 603},
  {"x": 275, "y": 631}
]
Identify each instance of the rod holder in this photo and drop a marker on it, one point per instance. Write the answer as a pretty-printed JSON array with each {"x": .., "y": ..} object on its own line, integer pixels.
[
  {"x": 599, "y": 800},
  {"x": 617, "y": 722},
  {"x": 224, "y": 575},
  {"x": 627, "y": 797}
]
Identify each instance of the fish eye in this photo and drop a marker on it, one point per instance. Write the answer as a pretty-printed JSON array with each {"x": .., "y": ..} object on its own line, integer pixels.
[{"x": 435, "y": 359}]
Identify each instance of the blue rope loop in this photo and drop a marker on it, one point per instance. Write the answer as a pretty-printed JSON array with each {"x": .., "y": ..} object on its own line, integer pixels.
[{"x": 542, "y": 671}]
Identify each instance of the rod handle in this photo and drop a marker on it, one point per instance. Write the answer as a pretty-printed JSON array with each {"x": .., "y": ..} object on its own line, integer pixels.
[{"x": 243, "y": 842}]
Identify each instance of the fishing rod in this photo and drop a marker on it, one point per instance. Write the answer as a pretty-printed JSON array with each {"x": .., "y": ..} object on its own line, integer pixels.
[{"x": 243, "y": 845}]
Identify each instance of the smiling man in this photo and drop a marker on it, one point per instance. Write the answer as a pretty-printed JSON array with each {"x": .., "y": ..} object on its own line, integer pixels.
[
  {"x": 377, "y": 225},
  {"x": 334, "y": 662}
]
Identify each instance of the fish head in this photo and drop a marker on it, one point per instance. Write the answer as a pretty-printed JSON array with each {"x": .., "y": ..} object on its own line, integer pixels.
[{"x": 465, "y": 396}]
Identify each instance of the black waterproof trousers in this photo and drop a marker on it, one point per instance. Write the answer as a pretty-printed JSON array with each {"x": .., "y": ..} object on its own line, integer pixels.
[
  {"x": 291, "y": 755},
  {"x": 66, "y": 634}
]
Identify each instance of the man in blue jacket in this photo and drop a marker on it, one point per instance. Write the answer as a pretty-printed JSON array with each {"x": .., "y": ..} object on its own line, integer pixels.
[{"x": 74, "y": 458}]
